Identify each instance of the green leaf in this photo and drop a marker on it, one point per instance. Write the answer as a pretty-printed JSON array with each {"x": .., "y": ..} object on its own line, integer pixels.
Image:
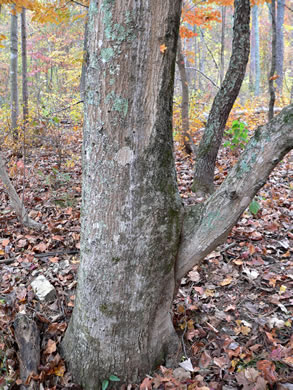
[
  {"x": 105, "y": 384},
  {"x": 254, "y": 207},
  {"x": 114, "y": 378}
]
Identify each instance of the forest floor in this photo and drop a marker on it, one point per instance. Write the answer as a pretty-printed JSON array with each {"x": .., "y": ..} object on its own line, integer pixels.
[{"x": 233, "y": 313}]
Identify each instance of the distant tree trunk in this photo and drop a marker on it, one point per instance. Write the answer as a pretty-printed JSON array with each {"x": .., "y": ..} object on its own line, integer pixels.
[
  {"x": 201, "y": 57},
  {"x": 13, "y": 74},
  {"x": 195, "y": 78},
  {"x": 272, "y": 8},
  {"x": 84, "y": 62},
  {"x": 222, "y": 62},
  {"x": 223, "y": 102},
  {"x": 24, "y": 67},
  {"x": 280, "y": 44},
  {"x": 187, "y": 139},
  {"x": 254, "y": 75}
]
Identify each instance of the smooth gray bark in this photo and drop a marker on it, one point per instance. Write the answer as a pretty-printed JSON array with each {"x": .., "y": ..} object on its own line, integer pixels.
[
  {"x": 272, "y": 8},
  {"x": 280, "y": 43},
  {"x": 84, "y": 62},
  {"x": 187, "y": 139},
  {"x": 203, "y": 181},
  {"x": 254, "y": 53},
  {"x": 131, "y": 207},
  {"x": 24, "y": 67},
  {"x": 13, "y": 74}
]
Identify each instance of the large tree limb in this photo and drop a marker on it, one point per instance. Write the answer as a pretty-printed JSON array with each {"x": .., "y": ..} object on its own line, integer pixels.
[{"x": 207, "y": 225}]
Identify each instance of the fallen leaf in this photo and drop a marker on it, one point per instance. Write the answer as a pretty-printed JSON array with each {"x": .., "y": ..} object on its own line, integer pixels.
[
  {"x": 288, "y": 360},
  {"x": 146, "y": 384},
  {"x": 226, "y": 281},
  {"x": 268, "y": 370},
  {"x": 51, "y": 347},
  {"x": 187, "y": 365},
  {"x": 194, "y": 276},
  {"x": 205, "y": 360}
]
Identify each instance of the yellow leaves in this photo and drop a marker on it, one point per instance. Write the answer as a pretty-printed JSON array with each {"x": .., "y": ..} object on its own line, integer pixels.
[
  {"x": 163, "y": 48},
  {"x": 226, "y": 281},
  {"x": 282, "y": 289},
  {"x": 243, "y": 328}
]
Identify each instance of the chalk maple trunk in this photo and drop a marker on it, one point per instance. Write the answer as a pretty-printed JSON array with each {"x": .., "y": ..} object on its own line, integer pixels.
[
  {"x": 131, "y": 208},
  {"x": 137, "y": 239}
]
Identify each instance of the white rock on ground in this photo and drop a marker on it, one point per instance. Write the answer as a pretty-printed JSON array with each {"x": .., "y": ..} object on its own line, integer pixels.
[{"x": 43, "y": 289}]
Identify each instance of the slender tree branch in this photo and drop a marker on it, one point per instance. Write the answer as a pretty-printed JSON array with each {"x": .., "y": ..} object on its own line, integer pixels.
[
  {"x": 204, "y": 75},
  {"x": 208, "y": 49}
]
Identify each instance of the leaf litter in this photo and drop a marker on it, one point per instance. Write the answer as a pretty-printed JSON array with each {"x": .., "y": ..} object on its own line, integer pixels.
[{"x": 233, "y": 313}]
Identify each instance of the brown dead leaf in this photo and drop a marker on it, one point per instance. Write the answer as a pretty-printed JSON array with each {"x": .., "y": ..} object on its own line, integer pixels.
[
  {"x": 5, "y": 242},
  {"x": 51, "y": 347},
  {"x": 268, "y": 370},
  {"x": 288, "y": 360},
  {"x": 221, "y": 361},
  {"x": 41, "y": 247},
  {"x": 256, "y": 236},
  {"x": 146, "y": 384},
  {"x": 205, "y": 360}
]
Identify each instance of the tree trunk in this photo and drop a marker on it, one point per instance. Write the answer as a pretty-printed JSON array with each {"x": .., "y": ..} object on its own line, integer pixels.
[
  {"x": 84, "y": 62},
  {"x": 13, "y": 73},
  {"x": 133, "y": 248},
  {"x": 272, "y": 8},
  {"x": 254, "y": 54},
  {"x": 223, "y": 102},
  {"x": 195, "y": 77},
  {"x": 24, "y": 67},
  {"x": 222, "y": 62},
  {"x": 187, "y": 139},
  {"x": 129, "y": 187},
  {"x": 280, "y": 44}
]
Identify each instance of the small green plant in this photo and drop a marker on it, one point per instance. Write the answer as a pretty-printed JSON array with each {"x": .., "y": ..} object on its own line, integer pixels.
[
  {"x": 112, "y": 378},
  {"x": 254, "y": 207},
  {"x": 239, "y": 134}
]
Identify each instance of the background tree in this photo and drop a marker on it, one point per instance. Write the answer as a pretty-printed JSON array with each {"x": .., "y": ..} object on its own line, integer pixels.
[
  {"x": 13, "y": 72},
  {"x": 203, "y": 180},
  {"x": 132, "y": 245},
  {"x": 254, "y": 53},
  {"x": 280, "y": 43},
  {"x": 24, "y": 67},
  {"x": 187, "y": 139},
  {"x": 272, "y": 75}
]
